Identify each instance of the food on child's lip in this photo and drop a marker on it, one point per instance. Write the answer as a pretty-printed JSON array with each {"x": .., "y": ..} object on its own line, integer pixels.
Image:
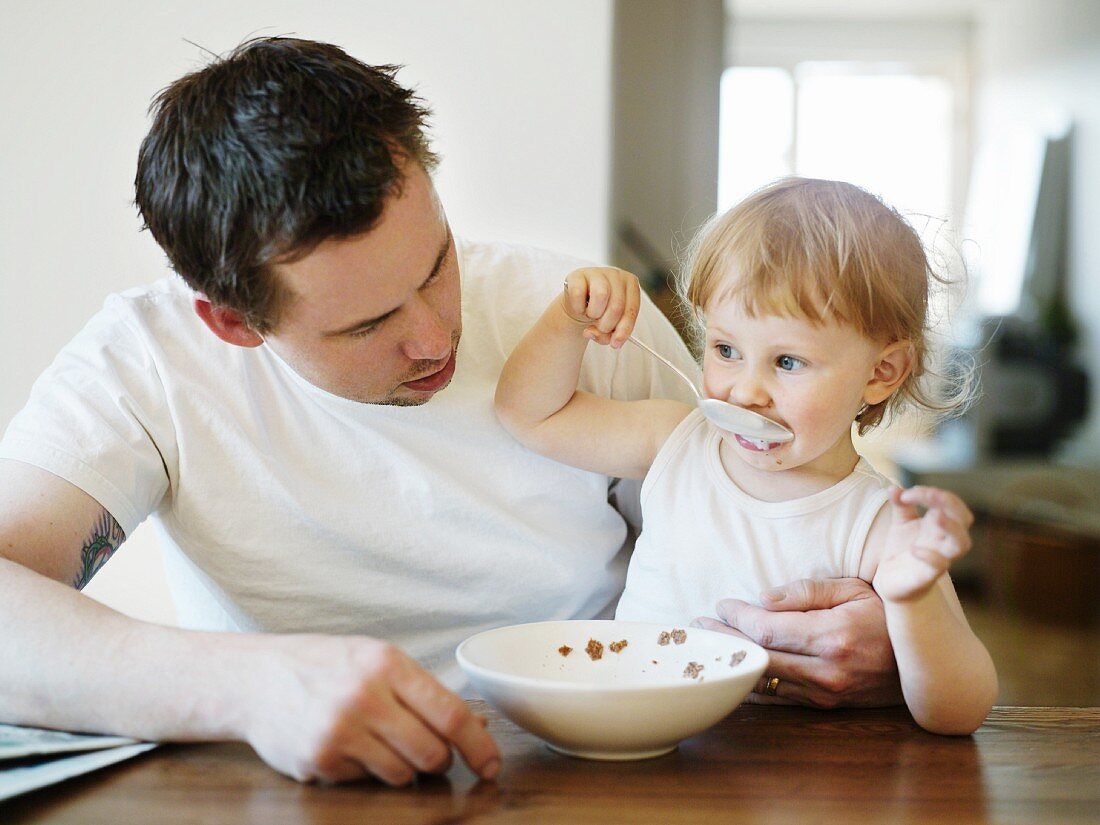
[
  {"x": 692, "y": 670},
  {"x": 758, "y": 444},
  {"x": 594, "y": 650},
  {"x": 737, "y": 658},
  {"x": 615, "y": 647},
  {"x": 565, "y": 650}
]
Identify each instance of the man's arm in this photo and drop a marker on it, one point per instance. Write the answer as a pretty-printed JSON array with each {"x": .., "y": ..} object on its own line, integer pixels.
[
  {"x": 827, "y": 641},
  {"x": 332, "y": 708}
]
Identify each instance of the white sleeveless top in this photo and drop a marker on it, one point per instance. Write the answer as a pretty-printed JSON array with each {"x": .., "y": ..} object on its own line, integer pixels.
[{"x": 705, "y": 539}]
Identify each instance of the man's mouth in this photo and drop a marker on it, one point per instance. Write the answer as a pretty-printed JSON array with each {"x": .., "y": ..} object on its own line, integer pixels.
[{"x": 435, "y": 380}]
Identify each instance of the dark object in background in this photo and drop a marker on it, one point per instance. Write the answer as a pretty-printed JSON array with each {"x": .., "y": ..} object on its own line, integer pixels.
[{"x": 1032, "y": 394}]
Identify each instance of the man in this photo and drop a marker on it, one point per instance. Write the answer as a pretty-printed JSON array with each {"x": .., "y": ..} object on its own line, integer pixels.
[{"x": 338, "y": 505}]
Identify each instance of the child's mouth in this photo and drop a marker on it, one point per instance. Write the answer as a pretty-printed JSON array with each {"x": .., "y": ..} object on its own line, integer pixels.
[{"x": 756, "y": 445}]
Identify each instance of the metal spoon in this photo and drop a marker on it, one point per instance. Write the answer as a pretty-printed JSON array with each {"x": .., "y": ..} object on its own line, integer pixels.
[{"x": 726, "y": 416}]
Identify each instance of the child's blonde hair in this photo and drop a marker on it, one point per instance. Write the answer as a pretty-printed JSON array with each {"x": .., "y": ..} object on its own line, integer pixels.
[{"x": 823, "y": 249}]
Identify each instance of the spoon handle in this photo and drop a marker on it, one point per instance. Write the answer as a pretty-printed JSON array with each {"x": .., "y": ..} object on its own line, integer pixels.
[{"x": 667, "y": 363}]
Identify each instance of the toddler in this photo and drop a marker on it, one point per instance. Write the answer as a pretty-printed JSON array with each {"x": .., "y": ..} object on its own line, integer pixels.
[{"x": 814, "y": 298}]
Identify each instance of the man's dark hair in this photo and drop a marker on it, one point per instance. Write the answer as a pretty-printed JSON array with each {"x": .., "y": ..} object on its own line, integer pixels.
[{"x": 266, "y": 152}]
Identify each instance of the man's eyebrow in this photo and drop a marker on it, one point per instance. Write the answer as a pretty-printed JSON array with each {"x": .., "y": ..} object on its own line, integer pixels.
[{"x": 359, "y": 325}]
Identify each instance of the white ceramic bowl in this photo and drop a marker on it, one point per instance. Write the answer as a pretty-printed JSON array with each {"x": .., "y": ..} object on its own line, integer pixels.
[{"x": 632, "y": 704}]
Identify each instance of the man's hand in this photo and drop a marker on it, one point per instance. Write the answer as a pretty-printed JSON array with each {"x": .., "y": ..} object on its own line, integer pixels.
[
  {"x": 336, "y": 708},
  {"x": 606, "y": 299},
  {"x": 827, "y": 642}
]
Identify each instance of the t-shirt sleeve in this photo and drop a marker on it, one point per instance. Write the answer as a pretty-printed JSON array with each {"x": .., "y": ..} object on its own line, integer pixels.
[{"x": 97, "y": 417}]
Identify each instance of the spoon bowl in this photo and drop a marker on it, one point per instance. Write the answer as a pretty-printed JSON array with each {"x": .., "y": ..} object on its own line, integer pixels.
[{"x": 726, "y": 416}]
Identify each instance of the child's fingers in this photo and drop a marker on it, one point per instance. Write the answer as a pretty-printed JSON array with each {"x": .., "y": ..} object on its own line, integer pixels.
[
  {"x": 934, "y": 498},
  {"x": 942, "y": 539},
  {"x": 934, "y": 559},
  {"x": 903, "y": 511},
  {"x": 592, "y": 333},
  {"x": 616, "y": 305},
  {"x": 619, "y": 284},
  {"x": 575, "y": 298},
  {"x": 629, "y": 317},
  {"x": 599, "y": 293},
  {"x": 952, "y": 537}
]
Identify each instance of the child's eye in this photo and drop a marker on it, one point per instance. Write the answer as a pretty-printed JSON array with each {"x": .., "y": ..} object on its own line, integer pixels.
[
  {"x": 789, "y": 362},
  {"x": 362, "y": 333},
  {"x": 725, "y": 351}
]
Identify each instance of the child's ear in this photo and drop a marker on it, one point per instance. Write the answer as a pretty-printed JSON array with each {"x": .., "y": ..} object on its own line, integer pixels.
[{"x": 894, "y": 364}]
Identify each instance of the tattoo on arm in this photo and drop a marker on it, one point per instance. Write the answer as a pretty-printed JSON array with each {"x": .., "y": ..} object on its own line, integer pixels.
[{"x": 101, "y": 544}]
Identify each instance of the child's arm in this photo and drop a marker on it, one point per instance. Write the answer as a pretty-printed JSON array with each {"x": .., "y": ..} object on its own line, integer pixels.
[
  {"x": 947, "y": 676},
  {"x": 537, "y": 399}
]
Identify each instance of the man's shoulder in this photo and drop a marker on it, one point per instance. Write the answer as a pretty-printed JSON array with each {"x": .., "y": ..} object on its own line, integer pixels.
[
  {"x": 155, "y": 317},
  {"x": 497, "y": 261},
  {"x": 147, "y": 303}
]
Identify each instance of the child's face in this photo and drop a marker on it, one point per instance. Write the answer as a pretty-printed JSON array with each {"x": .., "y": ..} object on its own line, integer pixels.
[{"x": 811, "y": 379}]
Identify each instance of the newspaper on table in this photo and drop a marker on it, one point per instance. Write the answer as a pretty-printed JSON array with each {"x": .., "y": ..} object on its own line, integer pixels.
[{"x": 34, "y": 757}]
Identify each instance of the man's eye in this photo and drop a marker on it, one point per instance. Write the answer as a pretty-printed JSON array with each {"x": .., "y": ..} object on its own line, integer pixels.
[
  {"x": 789, "y": 363},
  {"x": 362, "y": 333}
]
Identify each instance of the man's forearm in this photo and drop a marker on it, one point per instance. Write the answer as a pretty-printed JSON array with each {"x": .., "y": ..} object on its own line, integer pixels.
[{"x": 73, "y": 664}]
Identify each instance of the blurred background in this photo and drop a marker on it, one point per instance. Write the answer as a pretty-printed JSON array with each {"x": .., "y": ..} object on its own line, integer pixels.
[{"x": 611, "y": 129}]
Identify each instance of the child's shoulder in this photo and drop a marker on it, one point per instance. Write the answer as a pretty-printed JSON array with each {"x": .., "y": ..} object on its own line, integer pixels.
[{"x": 870, "y": 478}]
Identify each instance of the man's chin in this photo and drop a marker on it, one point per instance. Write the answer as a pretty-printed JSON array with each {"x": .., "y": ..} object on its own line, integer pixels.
[{"x": 401, "y": 401}]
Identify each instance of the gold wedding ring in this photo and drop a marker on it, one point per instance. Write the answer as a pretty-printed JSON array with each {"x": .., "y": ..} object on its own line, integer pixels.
[{"x": 772, "y": 686}]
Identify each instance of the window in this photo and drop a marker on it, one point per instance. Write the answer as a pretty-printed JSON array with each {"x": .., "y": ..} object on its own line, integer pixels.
[{"x": 880, "y": 125}]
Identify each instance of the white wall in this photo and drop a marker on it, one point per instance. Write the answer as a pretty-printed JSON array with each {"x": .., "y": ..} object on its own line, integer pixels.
[
  {"x": 1037, "y": 59},
  {"x": 520, "y": 90}
]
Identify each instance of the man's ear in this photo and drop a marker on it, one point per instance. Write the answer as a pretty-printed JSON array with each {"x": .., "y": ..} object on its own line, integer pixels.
[
  {"x": 894, "y": 364},
  {"x": 227, "y": 324}
]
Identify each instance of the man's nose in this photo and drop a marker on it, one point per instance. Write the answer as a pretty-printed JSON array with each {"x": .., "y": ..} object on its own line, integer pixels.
[{"x": 428, "y": 337}]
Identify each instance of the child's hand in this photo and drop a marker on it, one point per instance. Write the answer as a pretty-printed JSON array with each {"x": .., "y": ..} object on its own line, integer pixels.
[
  {"x": 919, "y": 549},
  {"x": 606, "y": 299}
]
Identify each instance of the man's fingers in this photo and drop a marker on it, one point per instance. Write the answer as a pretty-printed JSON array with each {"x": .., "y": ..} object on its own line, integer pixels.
[
  {"x": 383, "y": 760},
  {"x": 803, "y": 680},
  {"x": 451, "y": 719},
  {"x": 755, "y": 698},
  {"x": 335, "y": 767},
  {"x": 794, "y": 632},
  {"x": 707, "y": 623},
  {"x": 410, "y": 738},
  {"x": 814, "y": 594}
]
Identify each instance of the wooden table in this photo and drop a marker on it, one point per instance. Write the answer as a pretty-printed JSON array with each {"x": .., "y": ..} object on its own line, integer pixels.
[{"x": 774, "y": 765}]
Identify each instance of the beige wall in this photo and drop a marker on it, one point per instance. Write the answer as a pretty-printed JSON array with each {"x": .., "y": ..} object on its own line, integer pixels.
[
  {"x": 521, "y": 95},
  {"x": 667, "y": 70}
]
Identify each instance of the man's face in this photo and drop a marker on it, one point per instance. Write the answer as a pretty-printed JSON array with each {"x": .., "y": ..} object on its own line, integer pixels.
[{"x": 377, "y": 318}]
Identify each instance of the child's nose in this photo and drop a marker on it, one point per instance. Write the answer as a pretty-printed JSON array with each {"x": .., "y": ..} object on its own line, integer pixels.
[{"x": 749, "y": 391}]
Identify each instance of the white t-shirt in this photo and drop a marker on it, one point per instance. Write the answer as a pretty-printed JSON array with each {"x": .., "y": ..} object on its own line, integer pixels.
[
  {"x": 706, "y": 539},
  {"x": 285, "y": 508}
]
